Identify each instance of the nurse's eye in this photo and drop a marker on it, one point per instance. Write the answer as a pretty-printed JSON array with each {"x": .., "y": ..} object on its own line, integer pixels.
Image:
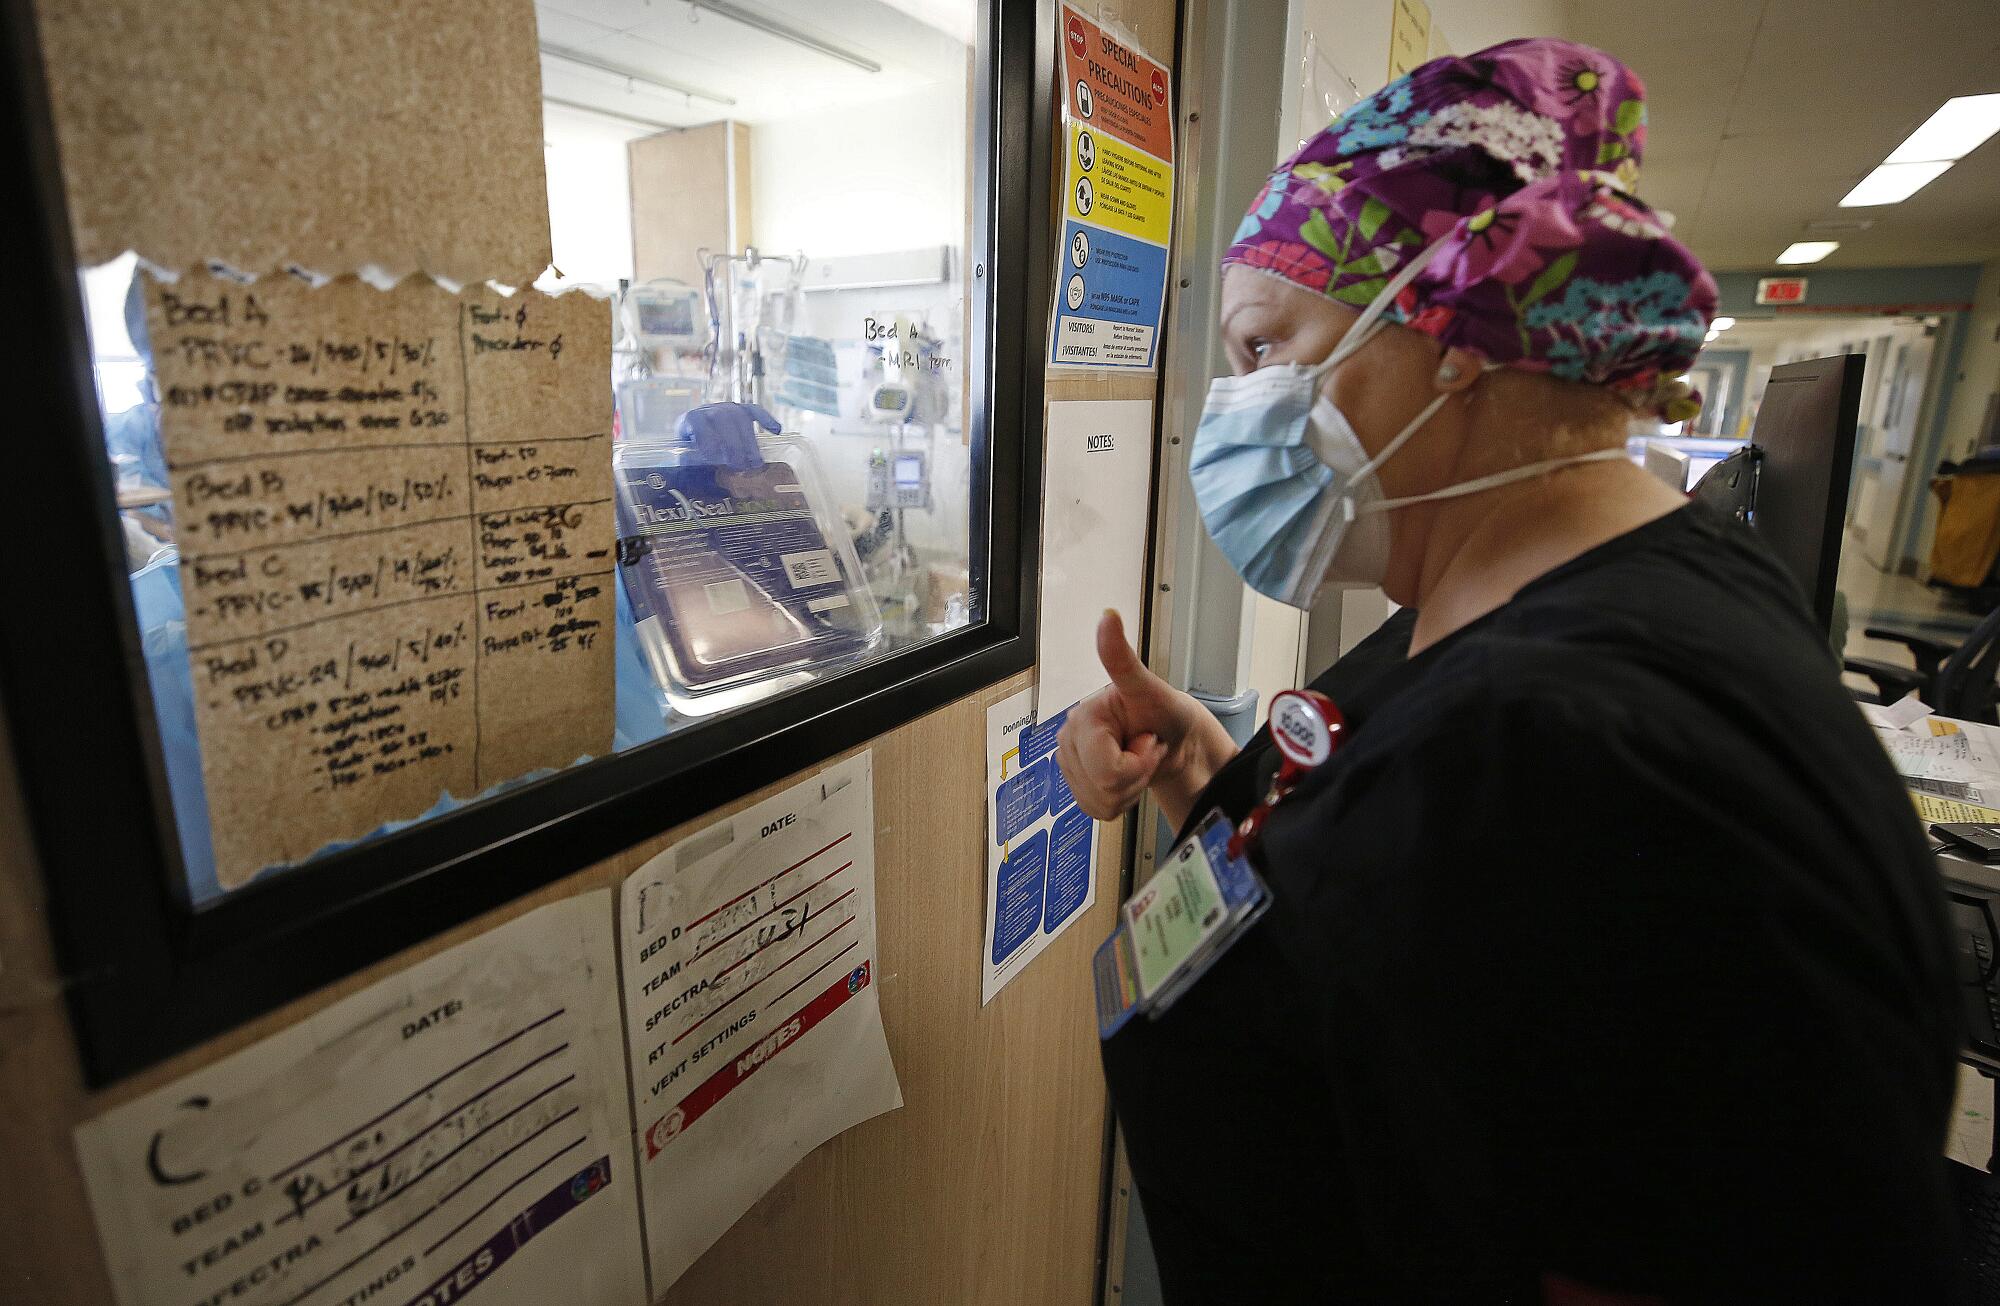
[{"x": 1260, "y": 350}]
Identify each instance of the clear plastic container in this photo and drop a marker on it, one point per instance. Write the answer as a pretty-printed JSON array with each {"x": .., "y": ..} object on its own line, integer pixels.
[{"x": 743, "y": 582}]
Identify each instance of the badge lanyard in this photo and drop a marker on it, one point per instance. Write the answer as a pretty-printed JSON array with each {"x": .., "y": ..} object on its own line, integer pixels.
[{"x": 1207, "y": 894}]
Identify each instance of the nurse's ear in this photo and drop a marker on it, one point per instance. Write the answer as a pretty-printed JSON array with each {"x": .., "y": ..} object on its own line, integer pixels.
[{"x": 1456, "y": 371}]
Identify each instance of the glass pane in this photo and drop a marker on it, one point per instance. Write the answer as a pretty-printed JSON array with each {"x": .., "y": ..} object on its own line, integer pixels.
[{"x": 771, "y": 206}]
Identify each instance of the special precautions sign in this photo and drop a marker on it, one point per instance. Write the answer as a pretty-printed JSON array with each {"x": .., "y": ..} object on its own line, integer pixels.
[{"x": 1118, "y": 138}]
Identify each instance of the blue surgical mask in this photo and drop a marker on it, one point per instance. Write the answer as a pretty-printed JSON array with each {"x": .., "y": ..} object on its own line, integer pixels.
[{"x": 1287, "y": 490}]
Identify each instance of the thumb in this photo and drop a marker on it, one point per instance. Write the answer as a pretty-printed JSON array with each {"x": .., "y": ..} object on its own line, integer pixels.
[{"x": 1121, "y": 663}]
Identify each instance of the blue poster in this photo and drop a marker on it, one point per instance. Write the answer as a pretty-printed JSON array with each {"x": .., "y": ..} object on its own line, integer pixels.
[
  {"x": 1110, "y": 289},
  {"x": 1017, "y": 906},
  {"x": 1041, "y": 856},
  {"x": 1022, "y": 801},
  {"x": 1070, "y": 846},
  {"x": 1039, "y": 739}
]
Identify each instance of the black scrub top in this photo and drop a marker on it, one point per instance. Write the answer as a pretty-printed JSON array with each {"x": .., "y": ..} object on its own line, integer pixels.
[{"x": 1607, "y": 950}]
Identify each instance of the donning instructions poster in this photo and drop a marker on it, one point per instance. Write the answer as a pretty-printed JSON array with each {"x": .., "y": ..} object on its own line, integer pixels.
[
  {"x": 465, "y": 1130},
  {"x": 1041, "y": 848}
]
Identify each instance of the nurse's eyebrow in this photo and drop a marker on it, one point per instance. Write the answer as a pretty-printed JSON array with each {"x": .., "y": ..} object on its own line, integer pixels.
[{"x": 1233, "y": 311}]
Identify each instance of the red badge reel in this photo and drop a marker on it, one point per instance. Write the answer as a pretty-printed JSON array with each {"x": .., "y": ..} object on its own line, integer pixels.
[{"x": 1306, "y": 727}]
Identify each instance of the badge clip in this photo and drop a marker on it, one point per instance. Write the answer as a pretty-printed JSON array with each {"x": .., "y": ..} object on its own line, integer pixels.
[{"x": 1306, "y": 726}]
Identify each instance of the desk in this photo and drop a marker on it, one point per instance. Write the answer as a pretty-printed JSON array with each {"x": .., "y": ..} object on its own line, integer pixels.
[{"x": 1973, "y": 892}]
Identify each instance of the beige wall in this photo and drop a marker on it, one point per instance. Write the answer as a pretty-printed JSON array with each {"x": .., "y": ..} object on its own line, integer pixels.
[
  {"x": 1978, "y": 375},
  {"x": 690, "y": 191}
]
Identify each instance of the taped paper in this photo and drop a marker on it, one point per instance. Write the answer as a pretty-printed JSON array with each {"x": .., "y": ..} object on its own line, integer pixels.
[
  {"x": 1041, "y": 848},
  {"x": 1097, "y": 479},
  {"x": 754, "y": 1028},
  {"x": 460, "y": 1124}
]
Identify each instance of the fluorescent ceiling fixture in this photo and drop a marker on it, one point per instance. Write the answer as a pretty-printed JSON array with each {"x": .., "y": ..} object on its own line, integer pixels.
[
  {"x": 1722, "y": 323},
  {"x": 634, "y": 79},
  {"x": 1892, "y": 183},
  {"x": 783, "y": 31},
  {"x": 1960, "y": 126},
  {"x": 1807, "y": 251}
]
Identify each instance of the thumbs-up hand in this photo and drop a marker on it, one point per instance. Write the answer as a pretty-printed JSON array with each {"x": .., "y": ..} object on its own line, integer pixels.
[{"x": 1139, "y": 732}]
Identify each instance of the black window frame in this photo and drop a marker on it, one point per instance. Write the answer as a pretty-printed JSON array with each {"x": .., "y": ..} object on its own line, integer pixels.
[{"x": 146, "y": 974}]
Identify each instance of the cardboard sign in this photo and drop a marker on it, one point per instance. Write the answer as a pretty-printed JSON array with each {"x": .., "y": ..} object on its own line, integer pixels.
[
  {"x": 403, "y": 135},
  {"x": 396, "y": 546}
]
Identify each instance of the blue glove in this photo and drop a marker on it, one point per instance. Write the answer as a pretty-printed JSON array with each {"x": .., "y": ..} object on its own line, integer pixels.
[{"x": 726, "y": 434}]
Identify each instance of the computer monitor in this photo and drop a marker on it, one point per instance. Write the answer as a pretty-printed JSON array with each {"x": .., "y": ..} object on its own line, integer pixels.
[
  {"x": 1805, "y": 434},
  {"x": 1668, "y": 464}
]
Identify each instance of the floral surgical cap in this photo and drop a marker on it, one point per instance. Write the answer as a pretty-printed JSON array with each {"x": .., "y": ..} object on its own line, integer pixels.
[{"x": 1518, "y": 163}]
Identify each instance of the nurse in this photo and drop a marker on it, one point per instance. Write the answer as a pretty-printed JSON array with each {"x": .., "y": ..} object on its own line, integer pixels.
[{"x": 1605, "y": 962}]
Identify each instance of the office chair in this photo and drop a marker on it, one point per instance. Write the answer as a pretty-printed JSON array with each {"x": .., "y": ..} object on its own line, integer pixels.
[
  {"x": 1956, "y": 682},
  {"x": 1730, "y": 487}
]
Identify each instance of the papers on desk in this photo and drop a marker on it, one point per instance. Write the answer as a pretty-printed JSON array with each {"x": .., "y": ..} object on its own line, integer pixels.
[
  {"x": 1952, "y": 768},
  {"x": 1899, "y": 715},
  {"x": 1970, "y": 1140}
]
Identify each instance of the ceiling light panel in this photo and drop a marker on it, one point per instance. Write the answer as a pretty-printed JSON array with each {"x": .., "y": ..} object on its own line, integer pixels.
[
  {"x": 1960, "y": 126},
  {"x": 1807, "y": 251},
  {"x": 1892, "y": 183}
]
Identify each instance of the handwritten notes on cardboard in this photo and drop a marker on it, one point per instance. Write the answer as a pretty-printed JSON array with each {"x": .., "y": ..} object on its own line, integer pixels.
[
  {"x": 397, "y": 545},
  {"x": 404, "y": 135}
]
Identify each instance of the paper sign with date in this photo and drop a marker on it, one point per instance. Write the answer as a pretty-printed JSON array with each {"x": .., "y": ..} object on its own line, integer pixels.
[
  {"x": 458, "y": 1131},
  {"x": 753, "y": 1023}
]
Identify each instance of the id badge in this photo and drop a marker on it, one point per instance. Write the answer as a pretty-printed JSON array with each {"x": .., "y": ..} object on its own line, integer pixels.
[{"x": 1172, "y": 930}]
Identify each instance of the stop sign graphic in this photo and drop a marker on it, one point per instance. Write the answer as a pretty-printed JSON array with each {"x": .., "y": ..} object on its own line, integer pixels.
[
  {"x": 1076, "y": 40},
  {"x": 1159, "y": 86}
]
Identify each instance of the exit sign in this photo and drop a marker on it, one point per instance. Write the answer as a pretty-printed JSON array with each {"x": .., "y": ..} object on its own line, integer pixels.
[{"x": 1781, "y": 290}]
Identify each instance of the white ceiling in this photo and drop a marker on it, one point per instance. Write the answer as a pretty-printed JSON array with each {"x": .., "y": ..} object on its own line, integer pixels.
[
  {"x": 1757, "y": 333},
  {"x": 1763, "y": 113},
  {"x": 765, "y": 77}
]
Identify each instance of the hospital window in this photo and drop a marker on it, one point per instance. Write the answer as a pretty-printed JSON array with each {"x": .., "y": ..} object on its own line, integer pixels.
[{"x": 797, "y": 526}]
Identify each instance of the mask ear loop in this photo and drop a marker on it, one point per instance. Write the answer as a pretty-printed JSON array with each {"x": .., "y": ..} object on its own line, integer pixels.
[
  {"x": 1416, "y": 423},
  {"x": 1363, "y": 330},
  {"x": 1496, "y": 479},
  {"x": 1359, "y": 334}
]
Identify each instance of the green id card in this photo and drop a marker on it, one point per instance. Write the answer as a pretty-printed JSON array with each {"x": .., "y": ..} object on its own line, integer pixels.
[{"x": 1174, "y": 915}]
